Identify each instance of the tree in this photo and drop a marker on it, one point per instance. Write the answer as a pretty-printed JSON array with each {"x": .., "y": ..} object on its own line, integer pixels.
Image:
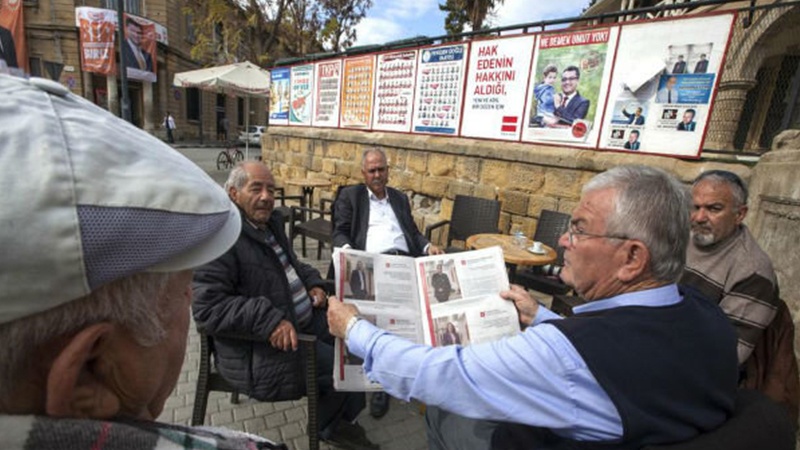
[
  {"x": 340, "y": 19},
  {"x": 463, "y": 12}
]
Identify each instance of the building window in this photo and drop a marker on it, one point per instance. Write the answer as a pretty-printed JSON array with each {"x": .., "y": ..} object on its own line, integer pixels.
[
  {"x": 189, "y": 35},
  {"x": 131, "y": 6},
  {"x": 36, "y": 66},
  {"x": 192, "y": 104}
]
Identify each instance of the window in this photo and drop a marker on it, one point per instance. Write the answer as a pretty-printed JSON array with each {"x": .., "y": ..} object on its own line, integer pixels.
[
  {"x": 36, "y": 66},
  {"x": 131, "y": 6},
  {"x": 192, "y": 104},
  {"x": 189, "y": 35}
]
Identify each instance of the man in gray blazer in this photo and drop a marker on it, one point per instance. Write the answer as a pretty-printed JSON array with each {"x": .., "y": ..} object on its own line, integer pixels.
[{"x": 377, "y": 218}]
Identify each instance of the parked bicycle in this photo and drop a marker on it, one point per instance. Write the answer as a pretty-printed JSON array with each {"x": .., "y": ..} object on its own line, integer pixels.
[{"x": 228, "y": 157}]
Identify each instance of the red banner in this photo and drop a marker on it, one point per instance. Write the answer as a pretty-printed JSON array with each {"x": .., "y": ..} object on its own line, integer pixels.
[
  {"x": 13, "y": 50},
  {"x": 97, "y": 41}
]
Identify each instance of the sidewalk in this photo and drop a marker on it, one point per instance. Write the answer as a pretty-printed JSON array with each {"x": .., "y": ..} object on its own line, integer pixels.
[{"x": 403, "y": 428}]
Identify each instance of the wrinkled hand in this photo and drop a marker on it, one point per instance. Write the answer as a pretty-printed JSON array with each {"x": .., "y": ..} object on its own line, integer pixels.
[
  {"x": 338, "y": 315},
  {"x": 284, "y": 337},
  {"x": 318, "y": 297},
  {"x": 526, "y": 305},
  {"x": 434, "y": 250}
]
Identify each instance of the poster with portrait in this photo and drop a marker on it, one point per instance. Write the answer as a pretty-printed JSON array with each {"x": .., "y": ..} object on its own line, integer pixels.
[
  {"x": 279, "y": 96},
  {"x": 357, "y": 92},
  {"x": 394, "y": 91},
  {"x": 301, "y": 101},
  {"x": 439, "y": 89},
  {"x": 568, "y": 86},
  {"x": 327, "y": 81},
  {"x": 497, "y": 75},
  {"x": 13, "y": 47},
  {"x": 663, "y": 85},
  {"x": 139, "y": 49}
]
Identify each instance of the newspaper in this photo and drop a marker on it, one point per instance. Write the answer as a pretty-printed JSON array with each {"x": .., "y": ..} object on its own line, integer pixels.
[{"x": 440, "y": 300}]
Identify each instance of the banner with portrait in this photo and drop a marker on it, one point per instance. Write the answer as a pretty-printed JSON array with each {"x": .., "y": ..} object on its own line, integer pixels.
[
  {"x": 13, "y": 47},
  {"x": 279, "y": 95},
  {"x": 440, "y": 89},
  {"x": 327, "y": 82},
  {"x": 664, "y": 79},
  {"x": 301, "y": 101},
  {"x": 359, "y": 73},
  {"x": 568, "y": 86},
  {"x": 498, "y": 73},
  {"x": 394, "y": 91}
]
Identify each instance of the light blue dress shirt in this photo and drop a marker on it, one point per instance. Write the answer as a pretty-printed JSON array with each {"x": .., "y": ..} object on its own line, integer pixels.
[{"x": 536, "y": 377}]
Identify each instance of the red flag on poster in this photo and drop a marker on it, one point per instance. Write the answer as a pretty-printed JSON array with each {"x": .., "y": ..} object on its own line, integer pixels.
[{"x": 13, "y": 49}]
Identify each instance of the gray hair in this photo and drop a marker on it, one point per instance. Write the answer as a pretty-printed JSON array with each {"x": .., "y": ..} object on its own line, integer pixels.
[
  {"x": 651, "y": 206},
  {"x": 134, "y": 302},
  {"x": 738, "y": 188},
  {"x": 237, "y": 178},
  {"x": 372, "y": 150}
]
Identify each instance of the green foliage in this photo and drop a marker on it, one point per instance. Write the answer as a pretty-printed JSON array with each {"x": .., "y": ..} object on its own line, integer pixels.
[
  {"x": 340, "y": 18},
  {"x": 467, "y": 12}
]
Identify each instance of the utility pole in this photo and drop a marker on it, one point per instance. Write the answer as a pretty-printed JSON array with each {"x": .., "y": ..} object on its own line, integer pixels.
[{"x": 123, "y": 64}]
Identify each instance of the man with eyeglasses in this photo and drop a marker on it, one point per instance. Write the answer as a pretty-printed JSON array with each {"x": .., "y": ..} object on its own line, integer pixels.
[
  {"x": 571, "y": 105},
  {"x": 376, "y": 218},
  {"x": 726, "y": 264},
  {"x": 606, "y": 375}
]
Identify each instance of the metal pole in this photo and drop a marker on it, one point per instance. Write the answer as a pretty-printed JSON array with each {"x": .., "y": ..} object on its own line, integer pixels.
[
  {"x": 247, "y": 127},
  {"x": 125, "y": 105}
]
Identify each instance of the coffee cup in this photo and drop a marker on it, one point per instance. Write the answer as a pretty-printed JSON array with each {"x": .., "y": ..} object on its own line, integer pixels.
[{"x": 538, "y": 247}]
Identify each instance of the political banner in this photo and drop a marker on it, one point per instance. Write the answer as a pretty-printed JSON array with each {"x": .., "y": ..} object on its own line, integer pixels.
[
  {"x": 327, "y": 82},
  {"x": 394, "y": 91},
  {"x": 301, "y": 102},
  {"x": 13, "y": 47},
  {"x": 279, "y": 96},
  {"x": 439, "y": 89},
  {"x": 497, "y": 77},
  {"x": 357, "y": 92}
]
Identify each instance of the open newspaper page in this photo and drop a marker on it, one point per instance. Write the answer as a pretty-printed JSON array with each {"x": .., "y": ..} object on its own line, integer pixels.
[{"x": 438, "y": 300}]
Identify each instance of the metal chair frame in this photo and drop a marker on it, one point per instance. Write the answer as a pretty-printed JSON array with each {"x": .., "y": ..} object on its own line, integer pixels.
[{"x": 471, "y": 215}]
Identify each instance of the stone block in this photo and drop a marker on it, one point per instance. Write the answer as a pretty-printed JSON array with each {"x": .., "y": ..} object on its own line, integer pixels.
[
  {"x": 483, "y": 191},
  {"x": 221, "y": 418},
  {"x": 417, "y": 162},
  {"x": 291, "y": 431},
  {"x": 434, "y": 186},
  {"x": 514, "y": 202},
  {"x": 441, "y": 165},
  {"x": 240, "y": 414},
  {"x": 468, "y": 168},
  {"x": 563, "y": 183},
  {"x": 405, "y": 181},
  {"x": 329, "y": 166},
  {"x": 536, "y": 203},
  {"x": 526, "y": 177},
  {"x": 255, "y": 425},
  {"x": 505, "y": 222},
  {"x": 275, "y": 420},
  {"x": 495, "y": 173},
  {"x": 459, "y": 188},
  {"x": 396, "y": 158}
]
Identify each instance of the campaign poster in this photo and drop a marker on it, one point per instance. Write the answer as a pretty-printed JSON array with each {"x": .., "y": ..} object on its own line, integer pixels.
[
  {"x": 279, "y": 95},
  {"x": 98, "y": 39},
  {"x": 568, "y": 86},
  {"x": 394, "y": 91},
  {"x": 140, "y": 49},
  {"x": 439, "y": 90},
  {"x": 301, "y": 101},
  {"x": 663, "y": 85},
  {"x": 497, "y": 77},
  {"x": 357, "y": 92},
  {"x": 13, "y": 47},
  {"x": 327, "y": 82}
]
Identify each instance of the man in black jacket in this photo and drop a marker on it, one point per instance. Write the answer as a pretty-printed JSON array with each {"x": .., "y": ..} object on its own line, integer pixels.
[{"x": 260, "y": 290}]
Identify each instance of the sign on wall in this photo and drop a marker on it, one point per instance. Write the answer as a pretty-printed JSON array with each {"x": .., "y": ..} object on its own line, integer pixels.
[
  {"x": 394, "y": 91},
  {"x": 279, "y": 96},
  {"x": 568, "y": 85},
  {"x": 497, "y": 77},
  {"x": 327, "y": 82},
  {"x": 439, "y": 90},
  {"x": 301, "y": 101},
  {"x": 357, "y": 92},
  {"x": 661, "y": 91}
]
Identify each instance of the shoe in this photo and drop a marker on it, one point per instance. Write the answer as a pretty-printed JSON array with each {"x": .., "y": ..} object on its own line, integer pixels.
[
  {"x": 379, "y": 404},
  {"x": 350, "y": 436}
]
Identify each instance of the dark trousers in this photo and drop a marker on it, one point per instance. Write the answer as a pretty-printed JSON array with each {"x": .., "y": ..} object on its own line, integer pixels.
[
  {"x": 449, "y": 431},
  {"x": 170, "y": 138}
]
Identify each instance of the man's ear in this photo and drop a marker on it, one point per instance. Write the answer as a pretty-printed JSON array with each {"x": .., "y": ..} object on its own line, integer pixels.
[
  {"x": 636, "y": 260},
  {"x": 73, "y": 389},
  {"x": 232, "y": 193},
  {"x": 741, "y": 214}
]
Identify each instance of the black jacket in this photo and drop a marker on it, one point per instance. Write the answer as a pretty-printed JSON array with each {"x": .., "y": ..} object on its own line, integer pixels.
[{"x": 245, "y": 293}]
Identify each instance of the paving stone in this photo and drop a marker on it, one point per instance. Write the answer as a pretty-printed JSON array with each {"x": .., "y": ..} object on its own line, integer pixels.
[
  {"x": 255, "y": 425},
  {"x": 240, "y": 414},
  {"x": 221, "y": 418},
  {"x": 291, "y": 431},
  {"x": 275, "y": 420}
]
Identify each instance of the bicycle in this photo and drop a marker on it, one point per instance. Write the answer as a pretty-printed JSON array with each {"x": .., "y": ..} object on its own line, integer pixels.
[{"x": 228, "y": 157}]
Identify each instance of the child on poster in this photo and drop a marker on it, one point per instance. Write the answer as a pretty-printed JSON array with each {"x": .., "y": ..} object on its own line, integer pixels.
[{"x": 544, "y": 93}]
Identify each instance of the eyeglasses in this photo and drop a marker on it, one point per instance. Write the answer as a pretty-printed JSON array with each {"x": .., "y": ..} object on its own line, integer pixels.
[
  {"x": 569, "y": 78},
  {"x": 572, "y": 232}
]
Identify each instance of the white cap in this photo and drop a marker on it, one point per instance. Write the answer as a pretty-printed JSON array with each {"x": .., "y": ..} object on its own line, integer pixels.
[{"x": 87, "y": 198}]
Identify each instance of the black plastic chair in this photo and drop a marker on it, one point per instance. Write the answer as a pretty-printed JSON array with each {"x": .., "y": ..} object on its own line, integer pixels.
[
  {"x": 311, "y": 223},
  {"x": 471, "y": 215},
  {"x": 208, "y": 379},
  {"x": 282, "y": 208},
  {"x": 551, "y": 226}
]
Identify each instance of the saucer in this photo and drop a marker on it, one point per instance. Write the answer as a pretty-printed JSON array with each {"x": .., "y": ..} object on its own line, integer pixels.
[{"x": 543, "y": 252}]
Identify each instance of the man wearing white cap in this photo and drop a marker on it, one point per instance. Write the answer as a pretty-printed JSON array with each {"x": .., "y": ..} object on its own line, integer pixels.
[{"x": 95, "y": 274}]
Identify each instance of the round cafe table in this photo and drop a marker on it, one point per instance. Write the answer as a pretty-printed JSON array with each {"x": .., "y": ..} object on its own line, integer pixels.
[
  {"x": 308, "y": 185},
  {"x": 514, "y": 256}
]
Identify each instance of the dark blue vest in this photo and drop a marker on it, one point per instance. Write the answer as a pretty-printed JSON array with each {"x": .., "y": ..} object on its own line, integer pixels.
[{"x": 670, "y": 371}]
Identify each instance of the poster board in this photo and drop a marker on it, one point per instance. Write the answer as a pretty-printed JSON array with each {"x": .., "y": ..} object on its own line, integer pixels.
[
  {"x": 359, "y": 73},
  {"x": 279, "y": 96},
  {"x": 496, "y": 80},
  {"x": 394, "y": 91},
  {"x": 439, "y": 89},
  {"x": 301, "y": 100},
  {"x": 327, "y": 83}
]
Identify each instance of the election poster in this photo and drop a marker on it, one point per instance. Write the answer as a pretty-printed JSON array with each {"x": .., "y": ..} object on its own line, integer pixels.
[
  {"x": 663, "y": 85},
  {"x": 497, "y": 77},
  {"x": 97, "y": 35},
  {"x": 439, "y": 89},
  {"x": 568, "y": 86},
  {"x": 301, "y": 101},
  {"x": 394, "y": 91},
  {"x": 357, "y": 92},
  {"x": 279, "y": 96},
  {"x": 139, "y": 49},
  {"x": 327, "y": 82},
  {"x": 13, "y": 47}
]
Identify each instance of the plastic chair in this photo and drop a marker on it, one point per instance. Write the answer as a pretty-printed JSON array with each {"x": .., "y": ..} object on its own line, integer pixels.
[
  {"x": 302, "y": 222},
  {"x": 471, "y": 215},
  {"x": 551, "y": 226}
]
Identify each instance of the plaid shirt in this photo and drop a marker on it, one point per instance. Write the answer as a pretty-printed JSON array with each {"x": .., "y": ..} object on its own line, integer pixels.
[{"x": 38, "y": 432}]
